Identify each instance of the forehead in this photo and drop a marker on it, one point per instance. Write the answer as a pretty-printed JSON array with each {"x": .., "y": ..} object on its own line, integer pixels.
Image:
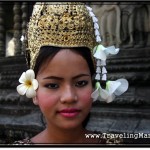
[{"x": 65, "y": 61}]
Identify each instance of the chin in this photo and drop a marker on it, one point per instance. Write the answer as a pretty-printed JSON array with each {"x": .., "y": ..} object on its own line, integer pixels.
[{"x": 71, "y": 125}]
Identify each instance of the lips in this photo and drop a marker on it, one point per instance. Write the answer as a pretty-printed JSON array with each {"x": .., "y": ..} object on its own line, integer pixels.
[{"x": 69, "y": 113}]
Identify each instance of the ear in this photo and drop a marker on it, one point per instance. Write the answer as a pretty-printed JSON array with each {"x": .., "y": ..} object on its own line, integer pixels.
[{"x": 35, "y": 101}]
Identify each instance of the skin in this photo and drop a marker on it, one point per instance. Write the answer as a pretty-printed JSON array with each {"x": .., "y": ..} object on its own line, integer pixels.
[{"x": 64, "y": 82}]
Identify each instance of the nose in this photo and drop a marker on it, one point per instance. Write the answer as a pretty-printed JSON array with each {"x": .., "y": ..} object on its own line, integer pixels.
[{"x": 68, "y": 95}]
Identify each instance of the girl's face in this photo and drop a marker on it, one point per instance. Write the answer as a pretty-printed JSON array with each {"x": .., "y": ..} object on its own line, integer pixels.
[{"x": 65, "y": 87}]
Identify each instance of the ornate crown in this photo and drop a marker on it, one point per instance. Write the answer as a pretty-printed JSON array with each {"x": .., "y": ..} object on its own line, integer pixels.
[{"x": 63, "y": 24}]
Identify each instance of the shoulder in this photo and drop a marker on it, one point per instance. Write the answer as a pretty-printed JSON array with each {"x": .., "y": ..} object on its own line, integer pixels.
[{"x": 26, "y": 141}]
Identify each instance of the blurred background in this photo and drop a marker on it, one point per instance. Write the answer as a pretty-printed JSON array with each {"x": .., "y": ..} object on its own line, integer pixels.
[{"x": 123, "y": 24}]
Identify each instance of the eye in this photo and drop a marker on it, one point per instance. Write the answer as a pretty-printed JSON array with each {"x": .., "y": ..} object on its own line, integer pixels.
[
  {"x": 52, "y": 86},
  {"x": 81, "y": 83}
]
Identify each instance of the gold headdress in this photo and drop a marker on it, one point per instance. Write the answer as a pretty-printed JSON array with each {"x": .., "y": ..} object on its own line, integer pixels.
[{"x": 62, "y": 24}]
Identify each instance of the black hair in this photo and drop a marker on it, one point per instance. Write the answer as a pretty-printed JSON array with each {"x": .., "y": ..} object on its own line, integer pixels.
[{"x": 48, "y": 52}]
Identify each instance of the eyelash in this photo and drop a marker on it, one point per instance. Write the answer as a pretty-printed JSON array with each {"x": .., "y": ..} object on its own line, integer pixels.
[
  {"x": 52, "y": 86},
  {"x": 79, "y": 84},
  {"x": 82, "y": 83}
]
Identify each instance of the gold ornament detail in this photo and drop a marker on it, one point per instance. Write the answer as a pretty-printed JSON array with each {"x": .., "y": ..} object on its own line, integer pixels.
[{"x": 62, "y": 24}]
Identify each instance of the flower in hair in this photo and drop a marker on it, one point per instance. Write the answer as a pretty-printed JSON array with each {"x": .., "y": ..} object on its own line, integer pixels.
[
  {"x": 101, "y": 52},
  {"x": 95, "y": 21},
  {"x": 113, "y": 89},
  {"x": 28, "y": 84}
]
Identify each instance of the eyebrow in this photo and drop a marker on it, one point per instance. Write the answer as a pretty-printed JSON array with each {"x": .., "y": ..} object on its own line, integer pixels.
[{"x": 59, "y": 78}]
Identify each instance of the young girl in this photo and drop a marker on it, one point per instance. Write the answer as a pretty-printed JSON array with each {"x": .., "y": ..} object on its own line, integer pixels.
[{"x": 61, "y": 37}]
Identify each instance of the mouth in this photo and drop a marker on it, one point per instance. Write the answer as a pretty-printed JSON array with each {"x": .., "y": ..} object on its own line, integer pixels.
[{"x": 69, "y": 113}]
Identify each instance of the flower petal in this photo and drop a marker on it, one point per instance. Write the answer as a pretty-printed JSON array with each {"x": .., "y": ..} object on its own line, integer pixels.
[
  {"x": 110, "y": 98},
  {"x": 97, "y": 32},
  {"x": 100, "y": 54},
  {"x": 111, "y": 86},
  {"x": 22, "y": 78},
  {"x": 95, "y": 94},
  {"x": 31, "y": 93},
  {"x": 101, "y": 47},
  {"x": 96, "y": 26},
  {"x": 21, "y": 89},
  {"x": 89, "y": 8},
  {"x": 122, "y": 88},
  {"x": 104, "y": 70},
  {"x": 98, "y": 39},
  {"x": 98, "y": 70},
  {"x": 35, "y": 84},
  {"x": 104, "y": 94},
  {"x": 111, "y": 50},
  {"x": 92, "y": 14},
  {"x": 104, "y": 77},
  {"x": 97, "y": 77},
  {"x": 98, "y": 62},
  {"x": 103, "y": 62},
  {"x": 30, "y": 74},
  {"x": 94, "y": 19}
]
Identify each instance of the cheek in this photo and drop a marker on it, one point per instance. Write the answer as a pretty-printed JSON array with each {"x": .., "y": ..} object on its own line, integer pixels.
[
  {"x": 46, "y": 101},
  {"x": 85, "y": 97}
]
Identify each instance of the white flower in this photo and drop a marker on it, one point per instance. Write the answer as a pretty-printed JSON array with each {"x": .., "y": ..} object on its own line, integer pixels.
[
  {"x": 28, "y": 84},
  {"x": 101, "y": 52},
  {"x": 113, "y": 88}
]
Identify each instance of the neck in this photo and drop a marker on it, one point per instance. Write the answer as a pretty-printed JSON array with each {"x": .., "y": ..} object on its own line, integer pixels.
[
  {"x": 57, "y": 135},
  {"x": 67, "y": 135}
]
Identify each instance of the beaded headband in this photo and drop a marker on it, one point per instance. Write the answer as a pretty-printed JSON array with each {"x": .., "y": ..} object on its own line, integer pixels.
[{"x": 68, "y": 24}]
